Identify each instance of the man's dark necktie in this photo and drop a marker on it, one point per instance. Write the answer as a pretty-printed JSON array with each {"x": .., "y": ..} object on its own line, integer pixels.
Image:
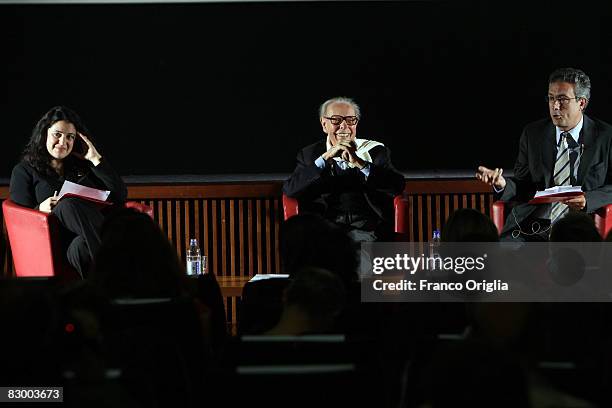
[{"x": 562, "y": 172}]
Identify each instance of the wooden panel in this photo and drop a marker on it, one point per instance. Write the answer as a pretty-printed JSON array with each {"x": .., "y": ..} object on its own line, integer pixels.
[
  {"x": 223, "y": 241},
  {"x": 411, "y": 217},
  {"x": 237, "y": 225},
  {"x": 446, "y": 208},
  {"x": 438, "y": 210},
  {"x": 196, "y": 221},
  {"x": 250, "y": 242},
  {"x": 420, "y": 218},
  {"x": 177, "y": 227},
  {"x": 234, "y": 315},
  {"x": 187, "y": 223},
  {"x": 205, "y": 231},
  {"x": 232, "y": 238},
  {"x": 258, "y": 230},
  {"x": 276, "y": 212},
  {"x": 268, "y": 236},
  {"x": 241, "y": 233},
  {"x": 442, "y": 186},
  {"x": 233, "y": 190},
  {"x": 168, "y": 217},
  {"x": 250, "y": 236},
  {"x": 214, "y": 256},
  {"x": 160, "y": 215},
  {"x": 231, "y": 286},
  {"x": 429, "y": 220}
]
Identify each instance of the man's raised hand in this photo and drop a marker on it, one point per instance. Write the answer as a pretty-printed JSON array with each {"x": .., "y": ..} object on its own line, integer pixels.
[{"x": 492, "y": 177}]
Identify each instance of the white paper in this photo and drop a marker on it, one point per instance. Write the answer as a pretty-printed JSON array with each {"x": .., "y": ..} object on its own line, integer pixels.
[
  {"x": 558, "y": 190},
  {"x": 74, "y": 188},
  {"x": 261, "y": 276}
]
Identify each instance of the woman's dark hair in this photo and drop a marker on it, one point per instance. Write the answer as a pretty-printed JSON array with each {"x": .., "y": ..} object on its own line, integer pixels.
[
  {"x": 311, "y": 240},
  {"x": 319, "y": 292},
  {"x": 36, "y": 154},
  {"x": 469, "y": 225},
  {"x": 575, "y": 227},
  {"x": 135, "y": 259}
]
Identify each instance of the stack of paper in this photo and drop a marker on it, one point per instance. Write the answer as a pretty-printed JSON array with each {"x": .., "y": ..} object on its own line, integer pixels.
[
  {"x": 556, "y": 193},
  {"x": 558, "y": 190},
  {"x": 70, "y": 189}
]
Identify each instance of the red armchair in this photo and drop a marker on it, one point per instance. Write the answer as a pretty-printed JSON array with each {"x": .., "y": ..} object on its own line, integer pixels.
[
  {"x": 400, "y": 205},
  {"x": 602, "y": 217},
  {"x": 31, "y": 236}
]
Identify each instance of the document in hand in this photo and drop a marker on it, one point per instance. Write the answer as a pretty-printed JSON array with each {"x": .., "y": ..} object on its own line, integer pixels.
[
  {"x": 557, "y": 193},
  {"x": 70, "y": 189}
]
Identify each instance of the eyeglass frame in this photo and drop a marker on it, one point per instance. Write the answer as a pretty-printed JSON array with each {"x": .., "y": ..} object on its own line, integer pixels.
[
  {"x": 342, "y": 119},
  {"x": 563, "y": 101}
]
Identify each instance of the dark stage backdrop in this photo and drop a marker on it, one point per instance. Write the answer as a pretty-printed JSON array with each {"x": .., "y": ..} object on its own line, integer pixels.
[{"x": 235, "y": 87}]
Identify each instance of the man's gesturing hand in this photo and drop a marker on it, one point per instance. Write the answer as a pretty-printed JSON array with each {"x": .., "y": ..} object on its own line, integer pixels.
[{"x": 491, "y": 177}]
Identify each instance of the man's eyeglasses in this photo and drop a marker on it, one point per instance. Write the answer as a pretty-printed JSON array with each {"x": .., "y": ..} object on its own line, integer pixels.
[
  {"x": 337, "y": 119},
  {"x": 563, "y": 100}
]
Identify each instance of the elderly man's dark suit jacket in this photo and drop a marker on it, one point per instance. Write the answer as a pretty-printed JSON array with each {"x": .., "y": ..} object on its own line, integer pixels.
[
  {"x": 536, "y": 160},
  {"x": 314, "y": 187}
]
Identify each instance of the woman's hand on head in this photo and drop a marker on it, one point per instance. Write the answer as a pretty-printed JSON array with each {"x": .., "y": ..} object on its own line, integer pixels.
[
  {"x": 91, "y": 154},
  {"x": 48, "y": 205}
]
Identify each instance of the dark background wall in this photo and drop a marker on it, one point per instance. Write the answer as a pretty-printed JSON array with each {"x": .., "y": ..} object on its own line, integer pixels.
[{"x": 235, "y": 87}]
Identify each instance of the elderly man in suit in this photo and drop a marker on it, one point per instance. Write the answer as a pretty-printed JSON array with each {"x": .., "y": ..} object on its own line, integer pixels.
[
  {"x": 570, "y": 148},
  {"x": 349, "y": 181}
]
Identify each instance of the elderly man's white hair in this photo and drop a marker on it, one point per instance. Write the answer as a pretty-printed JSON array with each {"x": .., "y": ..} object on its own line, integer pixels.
[{"x": 339, "y": 99}]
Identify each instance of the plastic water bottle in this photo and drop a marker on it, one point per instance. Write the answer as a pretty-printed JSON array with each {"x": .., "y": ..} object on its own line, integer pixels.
[
  {"x": 434, "y": 245},
  {"x": 194, "y": 259}
]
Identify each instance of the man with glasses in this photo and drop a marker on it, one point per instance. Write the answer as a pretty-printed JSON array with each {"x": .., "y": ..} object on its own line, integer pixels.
[
  {"x": 349, "y": 181},
  {"x": 569, "y": 149}
]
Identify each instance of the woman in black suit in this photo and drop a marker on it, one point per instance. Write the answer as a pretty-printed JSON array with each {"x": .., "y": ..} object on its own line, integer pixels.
[{"x": 59, "y": 150}]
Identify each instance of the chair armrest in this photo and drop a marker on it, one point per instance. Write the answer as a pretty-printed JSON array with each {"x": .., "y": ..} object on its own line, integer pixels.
[
  {"x": 498, "y": 214},
  {"x": 291, "y": 206},
  {"x": 603, "y": 220},
  {"x": 30, "y": 235},
  {"x": 401, "y": 216}
]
